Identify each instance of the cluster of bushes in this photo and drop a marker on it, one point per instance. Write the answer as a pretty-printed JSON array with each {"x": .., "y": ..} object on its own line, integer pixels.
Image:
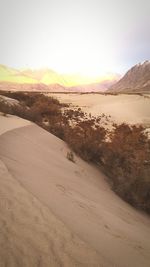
[
  {"x": 86, "y": 140},
  {"x": 126, "y": 159},
  {"x": 124, "y": 153},
  {"x": 32, "y": 106}
]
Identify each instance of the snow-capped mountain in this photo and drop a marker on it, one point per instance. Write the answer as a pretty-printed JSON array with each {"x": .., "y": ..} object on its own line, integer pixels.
[{"x": 137, "y": 79}]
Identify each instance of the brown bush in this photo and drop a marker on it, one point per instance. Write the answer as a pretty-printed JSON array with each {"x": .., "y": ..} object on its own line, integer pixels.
[
  {"x": 5, "y": 108},
  {"x": 124, "y": 159},
  {"x": 86, "y": 141}
]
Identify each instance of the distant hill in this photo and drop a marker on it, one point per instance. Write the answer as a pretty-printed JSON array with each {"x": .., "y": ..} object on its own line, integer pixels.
[
  {"x": 22, "y": 87},
  {"x": 94, "y": 87},
  {"x": 49, "y": 80},
  {"x": 14, "y": 76},
  {"x": 8, "y": 86},
  {"x": 137, "y": 79}
]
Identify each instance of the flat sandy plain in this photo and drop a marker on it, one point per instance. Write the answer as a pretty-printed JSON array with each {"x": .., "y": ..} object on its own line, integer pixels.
[
  {"x": 132, "y": 109},
  {"x": 54, "y": 212}
]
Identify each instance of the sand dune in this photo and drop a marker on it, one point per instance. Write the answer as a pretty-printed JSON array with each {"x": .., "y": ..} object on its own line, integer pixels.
[
  {"x": 10, "y": 122},
  {"x": 58, "y": 213}
]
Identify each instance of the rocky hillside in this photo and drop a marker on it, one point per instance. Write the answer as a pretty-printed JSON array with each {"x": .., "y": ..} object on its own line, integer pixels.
[{"x": 137, "y": 79}]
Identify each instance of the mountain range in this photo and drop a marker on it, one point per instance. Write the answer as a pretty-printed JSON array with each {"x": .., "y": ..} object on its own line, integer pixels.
[
  {"x": 49, "y": 80},
  {"x": 137, "y": 79}
]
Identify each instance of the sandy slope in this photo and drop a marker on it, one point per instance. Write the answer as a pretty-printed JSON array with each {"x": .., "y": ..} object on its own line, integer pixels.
[
  {"x": 58, "y": 213},
  {"x": 32, "y": 236},
  {"x": 122, "y": 108},
  {"x": 9, "y": 122}
]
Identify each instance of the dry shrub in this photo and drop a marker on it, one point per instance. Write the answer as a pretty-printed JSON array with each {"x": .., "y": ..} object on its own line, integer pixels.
[
  {"x": 86, "y": 140},
  {"x": 5, "y": 108},
  {"x": 70, "y": 156},
  {"x": 127, "y": 161}
]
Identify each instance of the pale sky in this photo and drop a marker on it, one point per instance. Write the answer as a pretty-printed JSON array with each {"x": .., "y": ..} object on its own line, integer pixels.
[{"x": 75, "y": 36}]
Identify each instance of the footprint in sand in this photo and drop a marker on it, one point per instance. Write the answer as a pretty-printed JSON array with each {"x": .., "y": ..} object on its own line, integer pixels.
[
  {"x": 63, "y": 189},
  {"x": 106, "y": 226}
]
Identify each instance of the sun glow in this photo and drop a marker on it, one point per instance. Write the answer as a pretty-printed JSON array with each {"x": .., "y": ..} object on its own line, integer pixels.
[
  {"x": 82, "y": 37},
  {"x": 72, "y": 39},
  {"x": 77, "y": 53},
  {"x": 88, "y": 60}
]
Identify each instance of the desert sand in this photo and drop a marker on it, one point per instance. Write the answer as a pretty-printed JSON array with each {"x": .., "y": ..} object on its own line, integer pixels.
[
  {"x": 54, "y": 212},
  {"x": 132, "y": 109}
]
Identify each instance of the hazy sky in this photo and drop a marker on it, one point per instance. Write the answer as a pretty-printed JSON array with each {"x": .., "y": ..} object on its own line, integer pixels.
[{"x": 88, "y": 36}]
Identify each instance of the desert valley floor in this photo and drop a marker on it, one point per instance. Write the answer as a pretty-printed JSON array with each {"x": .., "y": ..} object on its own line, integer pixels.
[
  {"x": 54, "y": 212},
  {"x": 121, "y": 107}
]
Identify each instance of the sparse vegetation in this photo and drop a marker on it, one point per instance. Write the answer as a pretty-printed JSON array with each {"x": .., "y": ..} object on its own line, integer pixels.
[
  {"x": 124, "y": 153},
  {"x": 126, "y": 159},
  {"x": 70, "y": 156}
]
